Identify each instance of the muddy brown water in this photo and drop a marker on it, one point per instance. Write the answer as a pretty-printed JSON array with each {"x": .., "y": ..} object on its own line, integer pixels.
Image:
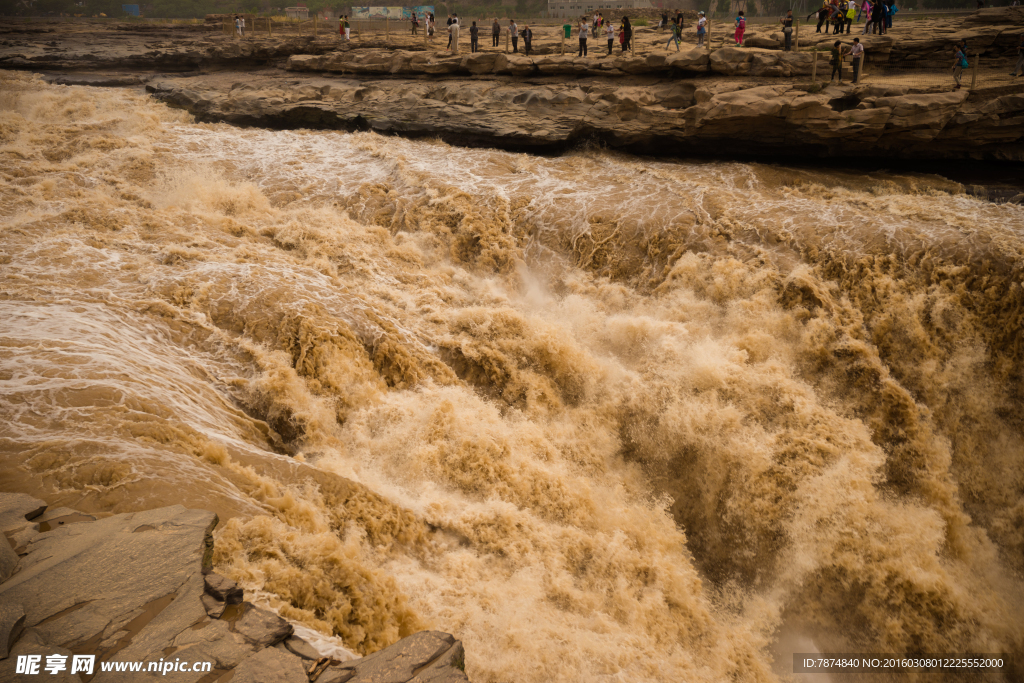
[{"x": 616, "y": 419}]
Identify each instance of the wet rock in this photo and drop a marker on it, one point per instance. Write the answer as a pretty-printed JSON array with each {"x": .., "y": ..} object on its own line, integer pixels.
[
  {"x": 261, "y": 627},
  {"x": 271, "y": 665},
  {"x": 17, "y": 509},
  {"x": 12, "y": 621},
  {"x": 223, "y": 589}
]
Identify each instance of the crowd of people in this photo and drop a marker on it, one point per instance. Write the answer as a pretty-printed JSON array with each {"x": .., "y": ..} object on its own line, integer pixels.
[
  {"x": 597, "y": 26},
  {"x": 837, "y": 14},
  {"x": 840, "y": 15}
]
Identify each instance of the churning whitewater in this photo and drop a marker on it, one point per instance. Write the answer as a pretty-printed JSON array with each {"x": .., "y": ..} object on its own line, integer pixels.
[{"x": 603, "y": 418}]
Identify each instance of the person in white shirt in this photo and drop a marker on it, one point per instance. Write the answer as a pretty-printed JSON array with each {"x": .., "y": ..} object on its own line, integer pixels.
[
  {"x": 702, "y": 27},
  {"x": 857, "y": 58}
]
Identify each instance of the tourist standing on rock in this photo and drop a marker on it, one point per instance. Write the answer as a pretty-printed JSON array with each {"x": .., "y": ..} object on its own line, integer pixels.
[
  {"x": 454, "y": 38},
  {"x": 891, "y": 9},
  {"x": 838, "y": 50},
  {"x": 787, "y": 29},
  {"x": 449, "y": 45},
  {"x": 676, "y": 36},
  {"x": 513, "y": 32},
  {"x": 474, "y": 38},
  {"x": 415, "y": 23},
  {"x": 838, "y": 19},
  {"x": 876, "y": 17},
  {"x": 584, "y": 27},
  {"x": 702, "y": 23},
  {"x": 868, "y": 7},
  {"x": 495, "y": 32},
  {"x": 609, "y": 32},
  {"x": 527, "y": 40},
  {"x": 347, "y": 28},
  {"x": 664, "y": 20},
  {"x": 851, "y": 9},
  {"x": 741, "y": 26},
  {"x": 959, "y": 64},
  {"x": 430, "y": 27},
  {"x": 627, "y": 34},
  {"x": 1020, "y": 58},
  {"x": 857, "y": 58}
]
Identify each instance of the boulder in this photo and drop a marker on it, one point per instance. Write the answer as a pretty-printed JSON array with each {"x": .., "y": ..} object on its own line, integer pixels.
[
  {"x": 212, "y": 641},
  {"x": 271, "y": 665},
  {"x": 427, "y": 656},
  {"x": 214, "y": 607},
  {"x": 261, "y": 627},
  {"x": 222, "y": 589},
  {"x": 299, "y": 647}
]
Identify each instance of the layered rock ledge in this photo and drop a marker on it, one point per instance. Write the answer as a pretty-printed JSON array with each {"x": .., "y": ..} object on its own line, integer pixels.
[
  {"x": 138, "y": 587},
  {"x": 709, "y": 116}
]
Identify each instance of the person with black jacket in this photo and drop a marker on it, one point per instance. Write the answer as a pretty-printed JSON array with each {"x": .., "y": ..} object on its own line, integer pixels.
[
  {"x": 627, "y": 32},
  {"x": 495, "y": 32},
  {"x": 474, "y": 38},
  {"x": 527, "y": 35}
]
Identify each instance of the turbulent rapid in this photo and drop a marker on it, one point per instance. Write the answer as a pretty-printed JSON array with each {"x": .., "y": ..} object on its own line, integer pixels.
[{"x": 602, "y": 418}]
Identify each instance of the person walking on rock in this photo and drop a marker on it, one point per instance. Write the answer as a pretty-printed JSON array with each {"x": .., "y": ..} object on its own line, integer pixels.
[
  {"x": 513, "y": 32},
  {"x": 527, "y": 40},
  {"x": 702, "y": 24},
  {"x": 856, "y": 58},
  {"x": 675, "y": 36},
  {"x": 627, "y": 34},
  {"x": 474, "y": 38},
  {"x": 584, "y": 27},
  {"x": 959, "y": 64},
  {"x": 741, "y": 26},
  {"x": 1020, "y": 58},
  {"x": 822, "y": 15},
  {"x": 609, "y": 32},
  {"x": 787, "y": 29},
  {"x": 495, "y": 32}
]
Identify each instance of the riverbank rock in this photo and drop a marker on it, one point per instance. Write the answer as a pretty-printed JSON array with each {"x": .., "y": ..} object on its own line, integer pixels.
[{"x": 137, "y": 587}]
